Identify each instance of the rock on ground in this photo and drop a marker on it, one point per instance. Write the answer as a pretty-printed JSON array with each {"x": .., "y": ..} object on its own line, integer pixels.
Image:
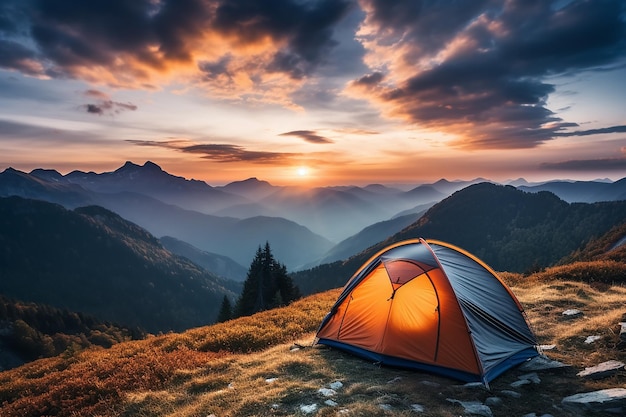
[{"x": 611, "y": 400}]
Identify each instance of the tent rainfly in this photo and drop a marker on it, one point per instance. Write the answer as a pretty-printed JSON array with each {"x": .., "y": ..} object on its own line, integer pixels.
[{"x": 428, "y": 305}]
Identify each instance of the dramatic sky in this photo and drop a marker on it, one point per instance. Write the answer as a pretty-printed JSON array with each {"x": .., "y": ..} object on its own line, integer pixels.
[{"x": 321, "y": 92}]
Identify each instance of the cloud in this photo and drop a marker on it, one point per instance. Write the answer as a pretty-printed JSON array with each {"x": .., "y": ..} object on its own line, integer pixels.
[
  {"x": 612, "y": 129},
  {"x": 356, "y": 131},
  {"x": 607, "y": 164},
  {"x": 234, "y": 153},
  {"x": 108, "y": 107},
  {"x": 222, "y": 152},
  {"x": 303, "y": 29},
  {"x": 15, "y": 56},
  {"x": 168, "y": 144},
  {"x": 13, "y": 129},
  {"x": 478, "y": 69},
  {"x": 45, "y": 132},
  {"x": 308, "y": 135},
  {"x": 105, "y": 105},
  {"x": 96, "y": 94},
  {"x": 229, "y": 47},
  {"x": 369, "y": 80}
]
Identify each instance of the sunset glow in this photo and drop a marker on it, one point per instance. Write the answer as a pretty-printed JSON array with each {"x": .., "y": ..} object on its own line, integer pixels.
[
  {"x": 303, "y": 171},
  {"x": 332, "y": 92}
]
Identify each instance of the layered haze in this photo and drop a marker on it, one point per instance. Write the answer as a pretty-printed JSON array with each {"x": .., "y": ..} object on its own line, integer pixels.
[{"x": 223, "y": 226}]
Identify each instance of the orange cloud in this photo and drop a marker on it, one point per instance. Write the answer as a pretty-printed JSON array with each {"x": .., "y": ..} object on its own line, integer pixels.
[{"x": 236, "y": 49}]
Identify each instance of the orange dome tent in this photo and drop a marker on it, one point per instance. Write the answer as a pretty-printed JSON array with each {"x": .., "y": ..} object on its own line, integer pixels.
[{"x": 428, "y": 305}]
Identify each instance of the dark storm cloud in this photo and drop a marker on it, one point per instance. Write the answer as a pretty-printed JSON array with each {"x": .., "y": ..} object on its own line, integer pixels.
[
  {"x": 131, "y": 38},
  {"x": 234, "y": 153},
  {"x": 108, "y": 107},
  {"x": 220, "y": 152},
  {"x": 13, "y": 17},
  {"x": 15, "y": 56},
  {"x": 370, "y": 80},
  {"x": 305, "y": 27},
  {"x": 429, "y": 24},
  {"x": 212, "y": 70},
  {"x": 491, "y": 62},
  {"x": 609, "y": 164},
  {"x": 613, "y": 129},
  {"x": 308, "y": 135},
  {"x": 75, "y": 31}
]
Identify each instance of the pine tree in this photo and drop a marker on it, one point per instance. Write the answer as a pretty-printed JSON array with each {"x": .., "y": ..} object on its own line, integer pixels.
[
  {"x": 226, "y": 311},
  {"x": 267, "y": 285}
]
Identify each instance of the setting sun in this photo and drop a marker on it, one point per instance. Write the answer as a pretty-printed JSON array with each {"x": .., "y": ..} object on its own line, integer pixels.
[{"x": 302, "y": 171}]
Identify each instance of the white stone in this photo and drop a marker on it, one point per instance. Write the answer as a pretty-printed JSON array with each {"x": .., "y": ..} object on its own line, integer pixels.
[
  {"x": 520, "y": 382},
  {"x": 418, "y": 408},
  {"x": 327, "y": 392},
  {"x": 270, "y": 380},
  {"x": 591, "y": 339},
  {"x": 475, "y": 385},
  {"x": 572, "y": 313},
  {"x": 491, "y": 401},
  {"x": 336, "y": 385},
  {"x": 547, "y": 347},
  {"x": 511, "y": 394},
  {"x": 532, "y": 377},
  {"x": 331, "y": 403},
  {"x": 541, "y": 363},
  {"x": 475, "y": 408},
  {"x": 606, "y": 399},
  {"x": 309, "y": 408},
  {"x": 602, "y": 370}
]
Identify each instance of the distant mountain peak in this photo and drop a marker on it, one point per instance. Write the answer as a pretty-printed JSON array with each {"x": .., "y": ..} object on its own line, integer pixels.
[
  {"x": 127, "y": 165},
  {"x": 132, "y": 170},
  {"x": 250, "y": 181},
  {"x": 518, "y": 182},
  {"x": 251, "y": 187},
  {"x": 130, "y": 166},
  {"x": 47, "y": 174},
  {"x": 152, "y": 166}
]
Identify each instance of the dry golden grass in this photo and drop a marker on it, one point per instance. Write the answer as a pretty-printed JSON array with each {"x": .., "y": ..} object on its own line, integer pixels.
[{"x": 248, "y": 367}]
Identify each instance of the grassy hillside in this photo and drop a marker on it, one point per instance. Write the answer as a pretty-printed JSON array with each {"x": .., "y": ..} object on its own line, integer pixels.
[
  {"x": 611, "y": 246},
  {"x": 248, "y": 367}
]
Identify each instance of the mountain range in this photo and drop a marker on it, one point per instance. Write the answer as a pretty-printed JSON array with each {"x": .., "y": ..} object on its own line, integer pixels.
[
  {"x": 305, "y": 226},
  {"x": 511, "y": 230}
]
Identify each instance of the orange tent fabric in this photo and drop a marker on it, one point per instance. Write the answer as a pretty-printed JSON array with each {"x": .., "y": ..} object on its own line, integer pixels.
[{"x": 431, "y": 306}]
